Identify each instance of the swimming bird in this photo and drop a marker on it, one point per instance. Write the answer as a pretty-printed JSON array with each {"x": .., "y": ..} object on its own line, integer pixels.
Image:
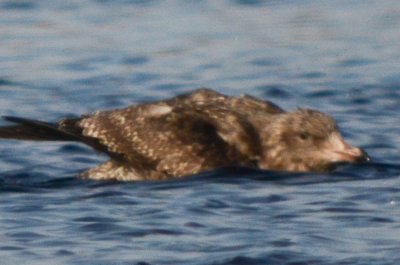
[{"x": 195, "y": 132}]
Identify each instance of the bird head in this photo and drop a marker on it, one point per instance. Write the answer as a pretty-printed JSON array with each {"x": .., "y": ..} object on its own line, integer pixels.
[{"x": 306, "y": 140}]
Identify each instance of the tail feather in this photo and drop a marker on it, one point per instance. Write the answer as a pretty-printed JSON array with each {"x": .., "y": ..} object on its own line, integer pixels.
[
  {"x": 35, "y": 130},
  {"x": 65, "y": 130}
]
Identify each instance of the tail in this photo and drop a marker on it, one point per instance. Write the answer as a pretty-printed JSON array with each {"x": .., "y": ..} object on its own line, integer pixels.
[
  {"x": 39, "y": 131},
  {"x": 65, "y": 130}
]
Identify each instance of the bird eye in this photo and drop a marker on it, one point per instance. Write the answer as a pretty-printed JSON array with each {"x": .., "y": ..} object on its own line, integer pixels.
[{"x": 304, "y": 136}]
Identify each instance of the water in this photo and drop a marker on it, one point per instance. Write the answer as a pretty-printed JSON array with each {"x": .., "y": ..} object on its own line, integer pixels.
[{"x": 65, "y": 58}]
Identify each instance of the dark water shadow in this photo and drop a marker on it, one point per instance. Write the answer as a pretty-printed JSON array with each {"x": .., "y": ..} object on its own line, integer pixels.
[
  {"x": 39, "y": 178},
  {"x": 342, "y": 173}
]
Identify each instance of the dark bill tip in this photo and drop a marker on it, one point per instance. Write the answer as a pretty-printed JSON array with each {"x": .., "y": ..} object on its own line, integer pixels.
[{"x": 364, "y": 157}]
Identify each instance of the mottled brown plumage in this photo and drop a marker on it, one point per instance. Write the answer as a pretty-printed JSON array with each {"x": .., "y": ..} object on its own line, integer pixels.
[{"x": 196, "y": 132}]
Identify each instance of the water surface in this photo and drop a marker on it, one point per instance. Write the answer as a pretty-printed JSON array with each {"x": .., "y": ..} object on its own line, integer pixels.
[{"x": 66, "y": 58}]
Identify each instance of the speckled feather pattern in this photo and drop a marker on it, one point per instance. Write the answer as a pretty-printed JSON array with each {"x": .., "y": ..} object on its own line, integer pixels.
[
  {"x": 200, "y": 131},
  {"x": 195, "y": 132},
  {"x": 177, "y": 137}
]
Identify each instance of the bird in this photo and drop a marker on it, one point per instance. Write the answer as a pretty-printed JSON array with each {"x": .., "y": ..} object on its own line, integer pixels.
[{"x": 198, "y": 131}]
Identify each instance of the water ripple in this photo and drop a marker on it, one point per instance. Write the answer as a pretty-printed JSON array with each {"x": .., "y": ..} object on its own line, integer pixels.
[{"x": 67, "y": 58}]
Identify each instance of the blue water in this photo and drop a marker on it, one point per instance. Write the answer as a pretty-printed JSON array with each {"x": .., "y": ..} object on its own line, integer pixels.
[{"x": 66, "y": 58}]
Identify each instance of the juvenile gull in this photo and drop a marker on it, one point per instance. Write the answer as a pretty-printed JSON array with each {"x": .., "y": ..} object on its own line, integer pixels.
[{"x": 195, "y": 132}]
